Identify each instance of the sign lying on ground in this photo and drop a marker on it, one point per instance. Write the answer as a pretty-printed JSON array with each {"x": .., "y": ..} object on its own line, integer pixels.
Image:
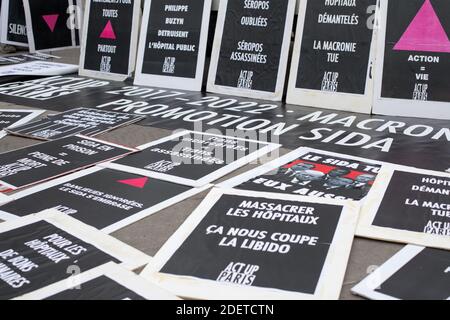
[
  {"x": 309, "y": 172},
  {"x": 12, "y": 118},
  {"x": 414, "y": 273},
  {"x": 110, "y": 33},
  {"x": 41, "y": 250},
  {"x": 13, "y": 28},
  {"x": 251, "y": 47},
  {"x": 383, "y": 138},
  {"x": 108, "y": 282},
  {"x": 334, "y": 53},
  {"x": 408, "y": 206},
  {"x": 172, "y": 44},
  {"x": 237, "y": 245},
  {"x": 103, "y": 198},
  {"x": 193, "y": 158},
  {"x": 44, "y": 161},
  {"x": 38, "y": 68},
  {"x": 84, "y": 121},
  {"x": 21, "y": 58},
  {"x": 52, "y": 24},
  {"x": 413, "y": 59}
]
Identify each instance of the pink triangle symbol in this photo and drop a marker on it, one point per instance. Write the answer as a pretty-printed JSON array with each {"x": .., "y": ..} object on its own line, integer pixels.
[
  {"x": 50, "y": 20},
  {"x": 108, "y": 32},
  {"x": 137, "y": 183},
  {"x": 425, "y": 33}
]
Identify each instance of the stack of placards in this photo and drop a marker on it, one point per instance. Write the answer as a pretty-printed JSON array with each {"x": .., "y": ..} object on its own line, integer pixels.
[{"x": 11, "y": 118}]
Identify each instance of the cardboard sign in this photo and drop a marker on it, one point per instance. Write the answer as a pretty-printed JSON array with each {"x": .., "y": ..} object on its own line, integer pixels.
[
  {"x": 248, "y": 245},
  {"x": 12, "y": 118},
  {"x": 13, "y": 29},
  {"x": 21, "y": 58},
  {"x": 413, "y": 59},
  {"x": 414, "y": 273},
  {"x": 85, "y": 121},
  {"x": 48, "y": 247},
  {"x": 108, "y": 282},
  {"x": 382, "y": 138},
  {"x": 192, "y": 158},
  {"x": 312, "y": 173},
  {"x": 102, "y": 198},
  {"x": 172, "y": 44},
  {"x": 251, "y": 47},
  {"x": 408, "y": 206},
  {"x": 38, "y": 68},
  {"x": 333, "y": 55},
  {"x": 109, "y": 43},
  {"x": 44, "y": 161},
  {"x": 52, "y": 24}
]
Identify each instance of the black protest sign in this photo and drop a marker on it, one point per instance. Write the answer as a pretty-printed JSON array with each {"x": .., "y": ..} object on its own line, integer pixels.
[
  {"x": 109, "y": 40},
  {"x": 172, "y": 45},
  {"x": 119, "y": 198},
  {"x": 416, "y": 202},
  {"x": 424, "y": 277},
  {"x": 193, "y": 158},
  {"x": 38, "y": 254},
  {"x": 417, "y": 50},
  {"x": 414, "y": 273},
  {"x": 23, "y": 167},
  {"x": 251, "y": 48},
  {"x": 13, "y": 24},
  {"x": 383, "y": 138},
  {"x": 335, "y": 47},
  {"x": 88, "y": 122},
  {"x": 22, "y": 58},
  {"x": 264, "y": 242},
  {"x": 314, "y": 174},
  {"x": 52, "y": 24},
  {"x": 10, "y": 118}
]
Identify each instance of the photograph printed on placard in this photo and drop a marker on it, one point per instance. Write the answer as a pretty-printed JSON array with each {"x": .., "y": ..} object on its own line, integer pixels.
[
  {"x": 42, "y": 249},
  {"x": 13, "y": 28},
  {"x": 105, "y": 199},
  {"x": 251, "y": 245},
  {"x": 84, "y": 121},
  {"x": 172, "y": 44},
  {"x": 408, "y": 205},
  {"x": 26, "y": 166},
  {"x": 192, "y": 158},
  {"x": 109, "y": 41},
  {"x": 312, "y": 173},
  {"x": 108, "y": 282},
  {"x": 53, "y": 24},
  {"x": 251, "y": 47},
  {"x": 12, "y": 118},
  {"x": 333, "y": 56},
  {"x": 414, "y": 273},
  {"x": 413, "y": 59}
]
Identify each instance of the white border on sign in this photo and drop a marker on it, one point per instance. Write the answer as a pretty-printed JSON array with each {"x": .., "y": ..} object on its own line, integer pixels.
[
  {"x": 205, "y": 179},
  {"x": 114, "y": 272},
  {"x": 30, "y": 33},
  {"x": 373, "y": 202},
  {"x": 113, "y": 227},
  {"x": 193, "y": 84},
  {"x": 12, "y": 187},
  {"x": 331, "y": 100},
  {"x": 31, "y": 115},
  {"x": 328, "y": 286},
  {"x": 4, "y": 17},
  {"x": 3, "y": 134},
  {"x": 401, "y": 107},
  {"x": 133, "y": 119},
  {"x": 131, "y": 54},
  {"x": 283, "y": 160},
  {"x": 366, "y": 288},
  {"x": 282, "y": 67}
]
